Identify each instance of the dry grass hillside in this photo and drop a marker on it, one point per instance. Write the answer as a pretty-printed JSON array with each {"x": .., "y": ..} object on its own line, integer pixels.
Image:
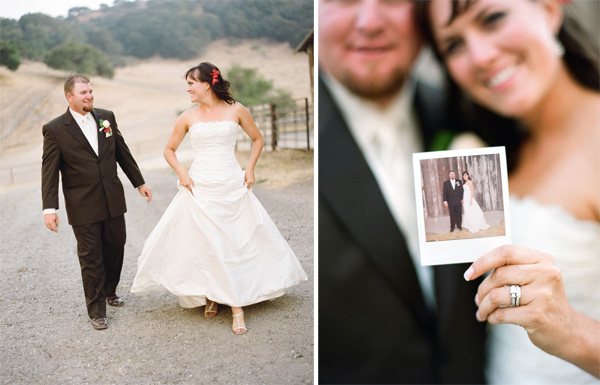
[{"x": 146, "y": 97}]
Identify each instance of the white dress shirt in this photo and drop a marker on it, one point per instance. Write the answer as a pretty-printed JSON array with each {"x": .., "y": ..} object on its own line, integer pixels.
[
  {"x": 387, "y": 138},
  {"x": 88, "y": 127}
]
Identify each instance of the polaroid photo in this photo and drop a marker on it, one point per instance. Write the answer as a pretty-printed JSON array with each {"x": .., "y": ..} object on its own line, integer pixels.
[{"x": 462, "y": 204}]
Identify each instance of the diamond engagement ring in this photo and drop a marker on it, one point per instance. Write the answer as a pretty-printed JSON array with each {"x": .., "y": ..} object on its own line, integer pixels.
[{"x": 515, "y": 295}]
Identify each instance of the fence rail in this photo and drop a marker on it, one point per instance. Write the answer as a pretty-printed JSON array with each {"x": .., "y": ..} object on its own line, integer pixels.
[{"x": 283, "y": 124}]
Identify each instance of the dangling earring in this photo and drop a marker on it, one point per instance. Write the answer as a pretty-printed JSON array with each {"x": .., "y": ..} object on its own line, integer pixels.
[
  {"x": 560, "y": 48},
  {"x": 207, "y": 91}
]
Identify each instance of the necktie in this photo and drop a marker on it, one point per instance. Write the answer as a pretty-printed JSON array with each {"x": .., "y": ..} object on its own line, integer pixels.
[{"x": 89, "y": 129}]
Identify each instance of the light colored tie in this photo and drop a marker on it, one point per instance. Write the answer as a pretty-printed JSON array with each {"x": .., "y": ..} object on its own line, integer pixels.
[{"x": 90, "y": 131}]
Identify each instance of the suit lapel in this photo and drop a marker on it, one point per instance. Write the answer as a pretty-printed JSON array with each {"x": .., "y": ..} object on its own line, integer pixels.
[
  {"x": 101, "y": 135},
  {"x": 347, "y": 184},
  {"x": 74, "y": 129}
]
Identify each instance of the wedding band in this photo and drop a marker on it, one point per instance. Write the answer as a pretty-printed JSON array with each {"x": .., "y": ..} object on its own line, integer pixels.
[{"x": 515, "y": 295}]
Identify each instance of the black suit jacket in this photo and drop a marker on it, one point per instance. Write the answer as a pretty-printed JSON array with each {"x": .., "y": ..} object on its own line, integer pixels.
[
  {"x": 374, "y": 326},
  {"x": 453, "y": 195},
  {"x": 91, "y": 186}
]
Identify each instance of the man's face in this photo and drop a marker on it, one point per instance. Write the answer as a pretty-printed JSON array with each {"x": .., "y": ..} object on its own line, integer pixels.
[
  {"x": 368, "y": 45},
  {"x": 452, "y": 175},
  {"x": 81, "y": 98}
]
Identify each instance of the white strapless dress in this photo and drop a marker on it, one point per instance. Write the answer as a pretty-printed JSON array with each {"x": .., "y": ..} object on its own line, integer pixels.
[
  {"x": 473, "y": 219},
  {"x": 575, "y": 247},
  {"x": 219, "y": 243}
]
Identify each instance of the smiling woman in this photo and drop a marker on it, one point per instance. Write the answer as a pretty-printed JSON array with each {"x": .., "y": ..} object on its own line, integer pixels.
[
  {"x": 510, "y": 69},
  {"x": 529, "y": 60},
  {"x": 215, "y": 243}
]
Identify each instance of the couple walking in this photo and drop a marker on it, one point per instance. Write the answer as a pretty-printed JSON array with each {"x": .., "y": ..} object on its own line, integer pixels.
[
  {"x": 215, "y": 243},
  {"x": 457, "y": 195}
]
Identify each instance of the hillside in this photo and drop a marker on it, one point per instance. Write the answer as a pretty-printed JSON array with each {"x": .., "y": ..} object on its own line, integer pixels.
[{"x": 146, "y": 97}]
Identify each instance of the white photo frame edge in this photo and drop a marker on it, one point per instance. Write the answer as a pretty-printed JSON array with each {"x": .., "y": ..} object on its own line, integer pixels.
[{"x": 460, "y": 250}]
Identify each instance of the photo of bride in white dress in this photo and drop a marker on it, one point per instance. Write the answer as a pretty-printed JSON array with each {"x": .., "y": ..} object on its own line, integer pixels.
[{"x": 473, "y": 219}]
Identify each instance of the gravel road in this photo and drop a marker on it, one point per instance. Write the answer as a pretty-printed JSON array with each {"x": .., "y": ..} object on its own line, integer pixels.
[{"x": 46, "y": 338}]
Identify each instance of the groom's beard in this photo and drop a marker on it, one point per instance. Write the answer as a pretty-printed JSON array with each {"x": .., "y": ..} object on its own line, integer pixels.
[
  {"x": 374, "y": 86},
  {"x": 88, "y": 107}
]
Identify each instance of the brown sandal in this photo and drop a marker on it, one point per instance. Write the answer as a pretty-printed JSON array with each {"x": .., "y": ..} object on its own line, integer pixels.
[{"x": 210, "y": 310}]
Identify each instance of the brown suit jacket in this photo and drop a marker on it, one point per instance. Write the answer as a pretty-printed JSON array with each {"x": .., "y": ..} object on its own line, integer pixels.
[{"x": 91, "y": 186}]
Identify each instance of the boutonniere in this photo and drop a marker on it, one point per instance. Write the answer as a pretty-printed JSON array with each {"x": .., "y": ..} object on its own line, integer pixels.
[
  {"x": 105, "y": 127},
  {"x": 457, "y": 183}
]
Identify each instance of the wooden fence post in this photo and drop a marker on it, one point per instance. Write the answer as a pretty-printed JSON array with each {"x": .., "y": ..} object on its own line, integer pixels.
[
  {"x": 273, "y": 126},
  {"x": 307, "y": 124}
]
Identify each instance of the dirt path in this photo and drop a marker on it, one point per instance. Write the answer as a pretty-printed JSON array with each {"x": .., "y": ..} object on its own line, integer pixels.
[{"x": 45, "y": 336}]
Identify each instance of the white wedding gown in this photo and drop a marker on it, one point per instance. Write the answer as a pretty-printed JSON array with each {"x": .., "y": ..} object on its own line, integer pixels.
[
  {"x": 575, "y": 246},
  {"x": 472, "y": 219},
  {"x": 219, "y": 243}
]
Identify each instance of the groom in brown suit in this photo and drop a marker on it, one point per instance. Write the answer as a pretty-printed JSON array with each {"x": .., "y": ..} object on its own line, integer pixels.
[{"x": 84, "y": 146}]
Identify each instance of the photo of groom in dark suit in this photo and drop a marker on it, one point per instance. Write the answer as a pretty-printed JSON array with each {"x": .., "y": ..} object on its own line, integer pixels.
[
  {"x": 453, "y": 199},
  {"x": 83, "y": 146}
]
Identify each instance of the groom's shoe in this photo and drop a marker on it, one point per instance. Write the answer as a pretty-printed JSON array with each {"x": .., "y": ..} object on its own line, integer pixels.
[
  {"x": 115, "y": 301},
  {"x": 99, "y": 323}
]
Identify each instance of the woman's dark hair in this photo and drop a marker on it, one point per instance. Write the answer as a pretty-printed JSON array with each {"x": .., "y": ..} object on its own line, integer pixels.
[
  {"x": 463, "y": 175},
  {"x": 203, "y": 72},
  {"x": 581, "y": 57}
]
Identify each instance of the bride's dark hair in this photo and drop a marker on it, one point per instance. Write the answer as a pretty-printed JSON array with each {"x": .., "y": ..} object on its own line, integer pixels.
[
  {"x": 469, "y": 175},
  {"x": 203, "y": 72}
]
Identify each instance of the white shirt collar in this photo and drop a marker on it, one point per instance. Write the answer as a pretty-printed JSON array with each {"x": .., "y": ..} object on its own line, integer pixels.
[
  {"x": 366, "y": 118},
  {"x": 78, "y": 117}
]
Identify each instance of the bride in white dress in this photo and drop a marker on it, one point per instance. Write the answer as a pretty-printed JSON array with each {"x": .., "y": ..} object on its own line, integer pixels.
[
  {"x": 215, "y": 243},
  {"x": 473, "y": 219}
]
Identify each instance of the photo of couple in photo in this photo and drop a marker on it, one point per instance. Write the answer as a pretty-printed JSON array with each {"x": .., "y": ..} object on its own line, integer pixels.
[
  {"x": 457, "y": 207},
  {"x": 459, "y": 195},
  {"x": 215, "y": 243}
]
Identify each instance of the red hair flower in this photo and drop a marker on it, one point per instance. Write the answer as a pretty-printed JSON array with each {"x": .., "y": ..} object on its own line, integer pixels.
[{"x": 215, "y": 76}]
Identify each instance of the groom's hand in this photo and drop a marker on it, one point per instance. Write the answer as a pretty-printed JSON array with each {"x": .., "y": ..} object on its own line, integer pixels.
[
  {"x": 51, "y": 221},
  {"x": 146, "y": 192}
]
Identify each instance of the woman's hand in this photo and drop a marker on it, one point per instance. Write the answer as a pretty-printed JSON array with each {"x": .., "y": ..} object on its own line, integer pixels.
[
  {"x": 186, "y": 181},
  {"x": 249, "y": 178},
  {"x": 544, "y": 311}
]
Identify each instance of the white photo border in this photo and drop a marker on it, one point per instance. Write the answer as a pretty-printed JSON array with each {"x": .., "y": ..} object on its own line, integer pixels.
[{"x": 460, "y": 250}]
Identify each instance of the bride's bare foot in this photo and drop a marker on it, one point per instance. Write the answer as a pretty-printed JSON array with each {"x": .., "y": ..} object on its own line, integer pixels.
[
  {"x": 211, "y": 308},
  {"x": 239, "y": 326}
]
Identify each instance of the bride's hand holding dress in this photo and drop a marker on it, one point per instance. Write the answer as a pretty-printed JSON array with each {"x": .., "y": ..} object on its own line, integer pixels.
[{"x": 544, "y": 311}]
